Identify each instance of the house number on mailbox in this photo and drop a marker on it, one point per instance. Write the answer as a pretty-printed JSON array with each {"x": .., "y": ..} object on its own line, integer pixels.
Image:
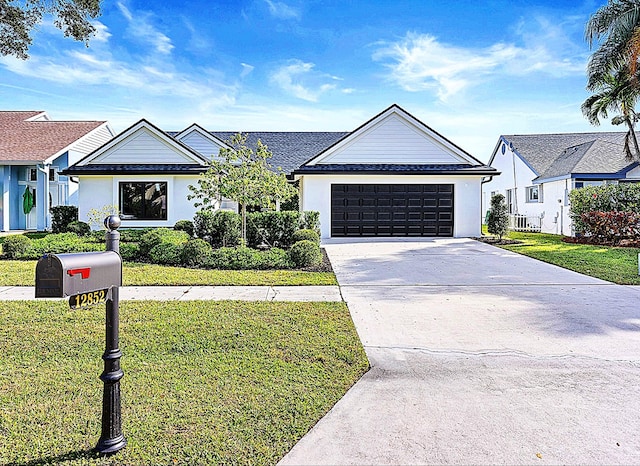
[{"x": 84, "y": 300}]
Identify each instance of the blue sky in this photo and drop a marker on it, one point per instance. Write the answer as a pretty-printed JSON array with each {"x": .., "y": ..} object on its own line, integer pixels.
[{"x": 471, "y": 70}]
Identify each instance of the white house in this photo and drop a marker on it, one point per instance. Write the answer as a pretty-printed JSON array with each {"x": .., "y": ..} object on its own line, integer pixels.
[
  {"x": 34, "y": 150},
  {"x": 392, "y": 176},
  {"x": 539, "y": 171}
]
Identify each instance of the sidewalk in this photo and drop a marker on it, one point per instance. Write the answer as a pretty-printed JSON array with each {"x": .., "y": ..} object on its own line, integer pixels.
[{"x": 200, "y": 293}]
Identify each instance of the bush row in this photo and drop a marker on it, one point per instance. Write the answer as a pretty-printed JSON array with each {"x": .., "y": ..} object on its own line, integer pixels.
[
  {"x": 22, "y": 247},
  {"x": 612, "y": 226},
  {"x": 624, "y": 197}
]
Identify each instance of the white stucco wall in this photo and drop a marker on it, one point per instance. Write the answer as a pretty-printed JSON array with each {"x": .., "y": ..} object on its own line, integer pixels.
[
  {"x": 98, "y": 191},
  {"x": 315, "y": 194}
]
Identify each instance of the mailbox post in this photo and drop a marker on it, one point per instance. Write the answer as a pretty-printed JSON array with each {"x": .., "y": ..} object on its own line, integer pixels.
[
  {"x": 112, "y": 439},
  {"x": 88, "y": 279}
]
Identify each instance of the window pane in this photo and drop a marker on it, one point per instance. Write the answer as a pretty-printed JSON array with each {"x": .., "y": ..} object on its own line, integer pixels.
[{"x": 143, "y": 200}]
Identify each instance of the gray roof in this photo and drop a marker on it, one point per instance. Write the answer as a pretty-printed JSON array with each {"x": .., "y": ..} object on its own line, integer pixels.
[
  {"x": 556, "y": 155},
  {"x": 134, "y": 169},
  {"x": 408, "y": 169}
]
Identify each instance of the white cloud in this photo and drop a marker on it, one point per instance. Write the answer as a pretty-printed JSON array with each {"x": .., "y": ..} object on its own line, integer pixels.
[
  {"x": 102, "y": 33},
  {"x": 300, "y": 80},
  {"x": 140, "y": 27},
  {"x": 420, "y": 62},
  {"x": 246, "y": 70},
  {"x": 281, "y": 10}
]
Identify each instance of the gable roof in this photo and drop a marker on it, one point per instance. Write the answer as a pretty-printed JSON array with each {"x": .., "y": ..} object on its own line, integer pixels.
[
  {"x": 97, "y": 162},
  {"x": 28, "y": 136},
  {"x": 560, "y": 155}
]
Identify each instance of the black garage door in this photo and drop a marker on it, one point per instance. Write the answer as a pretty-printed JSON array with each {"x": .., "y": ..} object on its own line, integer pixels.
[{"x": 391, "y": 210}]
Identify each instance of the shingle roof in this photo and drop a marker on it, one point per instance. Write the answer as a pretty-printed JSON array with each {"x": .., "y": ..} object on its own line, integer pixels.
[
  {"x": 552, "y": 155},
  {"x": 289, "y": 149},
  {"x": 411, "y": 169},
  {"x": 36, "y": 141}
]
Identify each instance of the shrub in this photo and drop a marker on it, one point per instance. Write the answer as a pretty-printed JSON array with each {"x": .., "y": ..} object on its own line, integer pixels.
[
  {"x": 607, "y": 198},
  {"x": 195, "y": 253},
  {"x": 62, "y": 216},
  {"x": 305, "y": 253},
  {"x": 15, "y": 246},
  {"x": 611, "y": 226},
  {"x": 273, "y": 228},
  {"x": 274, "y": 258},
  {"x": 221, "y": 228},
  {"x": 498, "y": 218},
  {"x": 310, "y": 220},
  {"x": 166, "y": 253},
  {"x": 79, "y": 228},
  {"x": 184, "y": 225},
  {"x": 160, "y": 236},
  {"x": 130, "y": 235},
  {"x": 129, "y": 252},
  {"x": 240, "y": 258},
  {"x": 59, "y": 243},
  {"x": 307, "y": 234}
]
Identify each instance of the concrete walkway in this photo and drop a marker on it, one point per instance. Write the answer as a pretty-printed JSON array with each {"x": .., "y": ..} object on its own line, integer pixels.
[
  {"x": 215, "y": 293},
  {"x": 481, "y": 356}
]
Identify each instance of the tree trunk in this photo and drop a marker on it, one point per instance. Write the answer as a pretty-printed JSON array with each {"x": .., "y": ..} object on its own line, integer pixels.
[{"x": 633, "y": 137}]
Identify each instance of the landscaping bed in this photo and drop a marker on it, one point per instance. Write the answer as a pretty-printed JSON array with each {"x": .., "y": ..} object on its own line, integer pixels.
[{"x": 204, "y": 383}]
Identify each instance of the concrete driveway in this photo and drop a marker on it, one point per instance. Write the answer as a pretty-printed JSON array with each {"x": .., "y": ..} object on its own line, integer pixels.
[{"x": 481, "y": 356}]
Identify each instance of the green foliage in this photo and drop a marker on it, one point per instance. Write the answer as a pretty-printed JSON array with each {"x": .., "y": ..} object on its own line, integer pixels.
[
  {"x": 18, "y": 19},
  {"x": 62, "y": 216},
  {"x": 58, "y": 243},
  {"x": 161, "y": 236},
  {"x": 274, "y": 258},
  {"x": 611, "y": 227},
  {"x": 276, "y": 229},
  {"x": 606, "y": 198},
  {"x": 243, "y": 258},
  {"x": 15, "y": 246},
  {"x": 166, "y": 253},
  {"x": 195, "y": 253},
  {"x": 305, "y": 253},
  {"x": 96, "y": 217},
  {"x": 498, "y": 218},
  {"x": 130, "y": 235},
  {"x": 129, "y": 251},
  {"x": 244, "y": 176},
  {"x": 184, "y": 225},
  {"x": 310, "y": 220},
  {"x": 305, "y": 234},
  {"x": 219, "y": 228},
  {"x": 79, "y": 228}
]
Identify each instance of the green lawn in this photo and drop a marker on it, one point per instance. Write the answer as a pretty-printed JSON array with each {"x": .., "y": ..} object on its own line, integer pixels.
[
  {"x": 618, "y": 265},
  {"x": 22, "y": 273},
  {"x": 205, "y": 382}
]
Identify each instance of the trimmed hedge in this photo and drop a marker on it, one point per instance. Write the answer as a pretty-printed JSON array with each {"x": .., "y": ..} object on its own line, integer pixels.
[
  {"x": 184, "y": 225},
  {"x": 307, "y": 234},
  {"x": 158, "y": 236},
  {"x": 219, "y": 228},
  {"x": 195, "y": 253},
  {"x": 612, "y": 226},
  {"x": 79, "y": 228},
  {"x": 276, "y": 229},
  {"x": 15, "y": 246},
  {"x": 305, "y": 253},
  {"x": 623, "y": 197}
]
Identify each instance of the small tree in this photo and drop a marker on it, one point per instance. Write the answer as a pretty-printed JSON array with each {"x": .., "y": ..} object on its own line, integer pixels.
[
  {"x": 244, "y": 176},
  {"x": 498, "y": 221}
]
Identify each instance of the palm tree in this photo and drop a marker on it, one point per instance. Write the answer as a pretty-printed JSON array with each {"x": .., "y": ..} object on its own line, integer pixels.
[
  {"x": 616, "y": 92},
  {"x": 616, "y": 27}
]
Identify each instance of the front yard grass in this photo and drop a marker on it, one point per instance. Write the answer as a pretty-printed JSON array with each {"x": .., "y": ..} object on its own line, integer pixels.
[
  {"x": 205, "y": 382},
  {"x": 614, "y": 264},
  {"x": 22, "y": 273}
]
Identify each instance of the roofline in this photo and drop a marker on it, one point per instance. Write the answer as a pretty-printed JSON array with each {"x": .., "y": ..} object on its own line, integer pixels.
[
  {"x": 590, "y": 176},
  {"x": 463, "y": 172},
  {"x": 113, "y": 142},
  {"x": 513, "y": 150},
  {"x": 203, "y": 131},
  {"x": 348, "y": 135},
  {"x": 51, "y": 158},
  {"x": 197, "y": 169}
]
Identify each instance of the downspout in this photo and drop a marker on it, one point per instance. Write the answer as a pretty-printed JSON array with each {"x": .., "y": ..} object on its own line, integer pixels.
[
  {"x": 45, "y": 201},
  {"x": 483, "y": 181}
]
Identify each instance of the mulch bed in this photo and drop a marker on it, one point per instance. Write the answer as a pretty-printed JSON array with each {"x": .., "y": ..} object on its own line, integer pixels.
[{"x": 496, "y": 241}]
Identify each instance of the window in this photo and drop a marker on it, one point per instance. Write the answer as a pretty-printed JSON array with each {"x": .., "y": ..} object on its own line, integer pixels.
[
  {"x": 33, "y": 174},
  {"x": 533, "y": 194},
  {"x": 52, "y": 173},
  {"x": 143, "y": 200},
  {"x": 511, "y": 201}
]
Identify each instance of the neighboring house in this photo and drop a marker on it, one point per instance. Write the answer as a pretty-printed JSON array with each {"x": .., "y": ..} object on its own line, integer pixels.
[
  {"x": 393, "y": 176},
  {"x": 539, "y": 171},
  {"x": 33, "y": 151}
]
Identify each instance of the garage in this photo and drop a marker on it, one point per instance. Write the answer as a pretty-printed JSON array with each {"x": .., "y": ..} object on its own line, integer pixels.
[{"x": 391, "y": 210}]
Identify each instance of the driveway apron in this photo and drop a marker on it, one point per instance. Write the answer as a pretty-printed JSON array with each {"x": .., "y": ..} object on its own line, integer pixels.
[{"x": 481, "y": 356}]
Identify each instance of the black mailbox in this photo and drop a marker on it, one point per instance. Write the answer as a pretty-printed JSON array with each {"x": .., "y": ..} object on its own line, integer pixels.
[{"x": 62, "y": 275}]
